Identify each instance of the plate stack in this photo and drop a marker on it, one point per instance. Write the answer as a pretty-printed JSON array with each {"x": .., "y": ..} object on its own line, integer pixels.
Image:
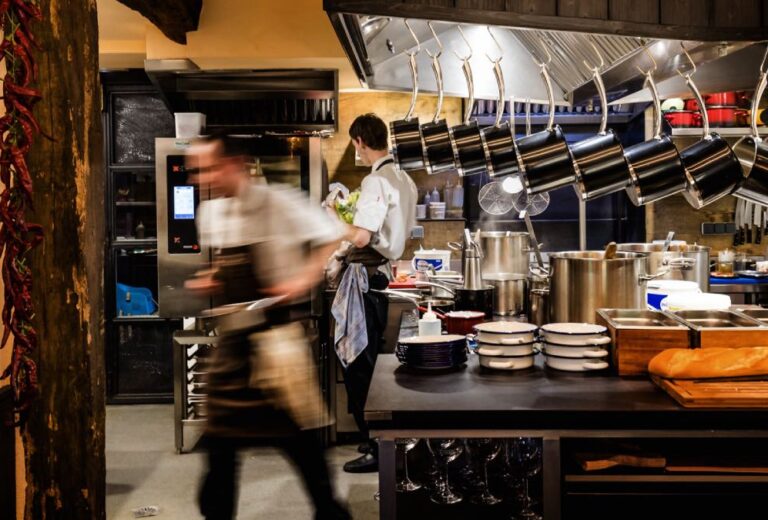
[
  {"x": 432, "y": 352},
  {"x": 506, "y": 345},
  {"x": 575, "y": 347}
]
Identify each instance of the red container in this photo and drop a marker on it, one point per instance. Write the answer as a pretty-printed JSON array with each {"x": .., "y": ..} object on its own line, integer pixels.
[
  {"x": 720, "y": 99},
  {"x": 723, "y": 116},
  {"x": 691, "y": 104},
  {"x": 462, "y": 322},
  {"x": 683, "y": 118}
]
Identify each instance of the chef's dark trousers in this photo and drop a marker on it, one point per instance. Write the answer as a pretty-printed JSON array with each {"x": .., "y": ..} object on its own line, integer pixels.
[
  {"x": 218, "y": 494},
  {"x": 358, "y": 374}
]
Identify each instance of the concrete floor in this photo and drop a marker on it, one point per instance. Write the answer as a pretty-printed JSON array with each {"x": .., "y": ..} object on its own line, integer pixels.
[{"x": 144, "y": 469}]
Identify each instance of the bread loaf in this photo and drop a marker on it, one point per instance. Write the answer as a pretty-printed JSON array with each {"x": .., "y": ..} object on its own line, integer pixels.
[{"x": 680, "y": 363}]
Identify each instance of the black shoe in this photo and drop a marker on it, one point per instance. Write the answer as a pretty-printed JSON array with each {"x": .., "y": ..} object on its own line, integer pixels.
[
  {"x": 364, "y": 464},
  {"x": 364, "y": 447}
]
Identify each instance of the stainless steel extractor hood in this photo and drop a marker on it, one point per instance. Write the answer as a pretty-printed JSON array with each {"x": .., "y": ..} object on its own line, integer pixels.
[
  {"x": 376, "y": 46},
  {"x": 290, "y": 101}
]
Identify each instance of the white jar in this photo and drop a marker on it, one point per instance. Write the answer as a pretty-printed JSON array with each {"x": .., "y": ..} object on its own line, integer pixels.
[{"x": 658, "y": 290}]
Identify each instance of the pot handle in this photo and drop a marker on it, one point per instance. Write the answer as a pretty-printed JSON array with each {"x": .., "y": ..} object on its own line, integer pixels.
[
  {"x": 761, "y": 83},
  {"x": 490, "y": 351},
  {"x": 654, "y": 94},
  {"x": 467, "y": 69},
  {"x": 497, "y": 72},
  {"x": 414, "y": 72},
  {"x": 517, "y": 341},
  {"x": 438, "y": 70},
  {"x": 544, "y": 71},
  {"x": 688, "y": 77},
  {"x": 501, "y": 364},
  {"x": 597, "y": 78},
  {"x": 601, "y": 353},
  {"x": 605, "y": 340},
  {"x": 594, "y": 364},
  {"x": 648, "y": 277}
]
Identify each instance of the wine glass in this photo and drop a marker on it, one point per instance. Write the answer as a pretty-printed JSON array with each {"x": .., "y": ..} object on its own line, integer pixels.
[
  {"x": 528, "y": 458},
  {"x": 445, "y": 451},
  {"x": 406, "y": 484},
  {"x": 486, "y": 450}
]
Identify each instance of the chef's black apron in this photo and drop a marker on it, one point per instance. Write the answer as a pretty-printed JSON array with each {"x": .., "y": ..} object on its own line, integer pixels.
[{"x": 358, "y": 374}]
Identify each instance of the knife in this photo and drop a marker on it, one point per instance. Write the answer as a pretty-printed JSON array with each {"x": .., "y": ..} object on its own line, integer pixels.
[
  {"x": 748, "y": 221},
  {"x": 758, "y": 221},
  {"x": 737, "y": 223}
]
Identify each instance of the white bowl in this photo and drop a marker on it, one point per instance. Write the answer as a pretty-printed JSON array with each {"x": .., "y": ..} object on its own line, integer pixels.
[
  {"x": 575, "y": 351},
  {"x": 574, "y": 334},
  {"x": 507, "y": 363},
  {"x": 575, "y": 364},
  {"x": 506, "y": 332},
  {"x": 486, "y": 349}
]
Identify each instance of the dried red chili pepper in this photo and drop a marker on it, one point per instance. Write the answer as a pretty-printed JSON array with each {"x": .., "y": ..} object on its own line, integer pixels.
[{"x": 18, "y": 128}]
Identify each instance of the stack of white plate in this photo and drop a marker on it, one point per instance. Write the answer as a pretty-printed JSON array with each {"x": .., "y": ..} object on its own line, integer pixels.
[
  {"x": 575, "y": 347},
  {"x": 506, "y": 345}
]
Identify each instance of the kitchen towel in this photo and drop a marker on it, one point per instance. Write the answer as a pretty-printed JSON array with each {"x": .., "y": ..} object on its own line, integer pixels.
[{"x": 350, "y": 335}]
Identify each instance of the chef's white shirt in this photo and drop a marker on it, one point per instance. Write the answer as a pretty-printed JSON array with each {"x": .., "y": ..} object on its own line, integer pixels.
[{"x": 387, "y": 207}]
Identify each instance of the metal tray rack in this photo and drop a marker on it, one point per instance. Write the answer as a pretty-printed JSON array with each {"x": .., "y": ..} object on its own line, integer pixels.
[{"x": 191, "y": 349}]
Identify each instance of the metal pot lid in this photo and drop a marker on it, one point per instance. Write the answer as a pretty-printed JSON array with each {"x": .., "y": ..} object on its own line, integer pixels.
[
  {"x": 506, "y": 327},
  {"x": 574, "y": 329}
]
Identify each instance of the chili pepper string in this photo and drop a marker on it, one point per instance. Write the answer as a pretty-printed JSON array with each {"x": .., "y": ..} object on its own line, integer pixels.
[{"x": 18, "y": 128}]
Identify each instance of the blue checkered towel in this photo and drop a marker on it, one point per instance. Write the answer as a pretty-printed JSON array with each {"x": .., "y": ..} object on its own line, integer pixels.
[{"x": 350, "y": 336}]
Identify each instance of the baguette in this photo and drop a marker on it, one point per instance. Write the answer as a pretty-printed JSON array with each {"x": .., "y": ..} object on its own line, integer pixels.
[{"x": 681, "y": 363}]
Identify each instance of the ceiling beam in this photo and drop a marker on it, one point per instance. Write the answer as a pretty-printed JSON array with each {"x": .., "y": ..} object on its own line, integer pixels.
[{"x": 175, "y": 18}]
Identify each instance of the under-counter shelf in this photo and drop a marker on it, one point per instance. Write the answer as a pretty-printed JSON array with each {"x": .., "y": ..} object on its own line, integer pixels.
[{"x": 728, "y": 131}]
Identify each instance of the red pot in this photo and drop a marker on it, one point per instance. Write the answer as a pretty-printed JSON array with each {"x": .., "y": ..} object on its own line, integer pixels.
[
  {"x": 683, "y": 118},
  {"x": 722, "y": 99},
  {"x": 462, "y": 322},
  {"x": 723, "y": 116}
]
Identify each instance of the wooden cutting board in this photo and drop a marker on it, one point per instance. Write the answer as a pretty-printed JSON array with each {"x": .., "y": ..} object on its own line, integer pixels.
[{"x": 708, "y": 393}]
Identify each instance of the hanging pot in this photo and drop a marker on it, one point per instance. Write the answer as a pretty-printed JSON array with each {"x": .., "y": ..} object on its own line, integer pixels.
[
  {"x": 753, "y": 152},
  {"x": 712, "y": 169},
  {"x": 407, "y": 149},
  {"x": 545, "y": 159},
  {"x": 498, "y": 140},
  {"x": 655, "y": 168},
  {"x": 435, "y": 135},
  {"x": 599, "y": 161},
  {"x": 468, "y": 151}
]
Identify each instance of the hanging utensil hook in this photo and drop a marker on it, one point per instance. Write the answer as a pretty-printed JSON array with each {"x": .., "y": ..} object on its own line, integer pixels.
[
  {"x": 413, "y": 35},
  {"x": 595, "y": 69},
  {"x": 498, "y": 46},
  {"x": 652, "y": 69},
  {"x": 693, "y": 64},
  {"x": 466, "y": 42},
  {"x": 439, "y": 43},
  {"x": 546, "y": 51}
]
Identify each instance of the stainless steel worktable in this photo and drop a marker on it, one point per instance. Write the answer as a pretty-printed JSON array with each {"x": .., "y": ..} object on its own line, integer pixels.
[{"x": 474, "y": 402}]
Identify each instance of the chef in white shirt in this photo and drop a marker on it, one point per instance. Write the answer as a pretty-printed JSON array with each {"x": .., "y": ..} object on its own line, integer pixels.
[{"x": 384, "y": 216}]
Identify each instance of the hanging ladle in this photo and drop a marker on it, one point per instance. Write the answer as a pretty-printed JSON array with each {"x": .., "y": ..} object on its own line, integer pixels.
[
  {"x": 465, "y": 138},
  {"x": 599, "y": 161},
  {"x": 499, "y": 140},
  {"x": 435, "y": 135},
  {"x": 545, "y": 159},
  {"x": 407, "y": 149},
  {"x": 752, "y": 151},
  {"x": 655, "y": 168},
  {"x": 712, "y": 169}
]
